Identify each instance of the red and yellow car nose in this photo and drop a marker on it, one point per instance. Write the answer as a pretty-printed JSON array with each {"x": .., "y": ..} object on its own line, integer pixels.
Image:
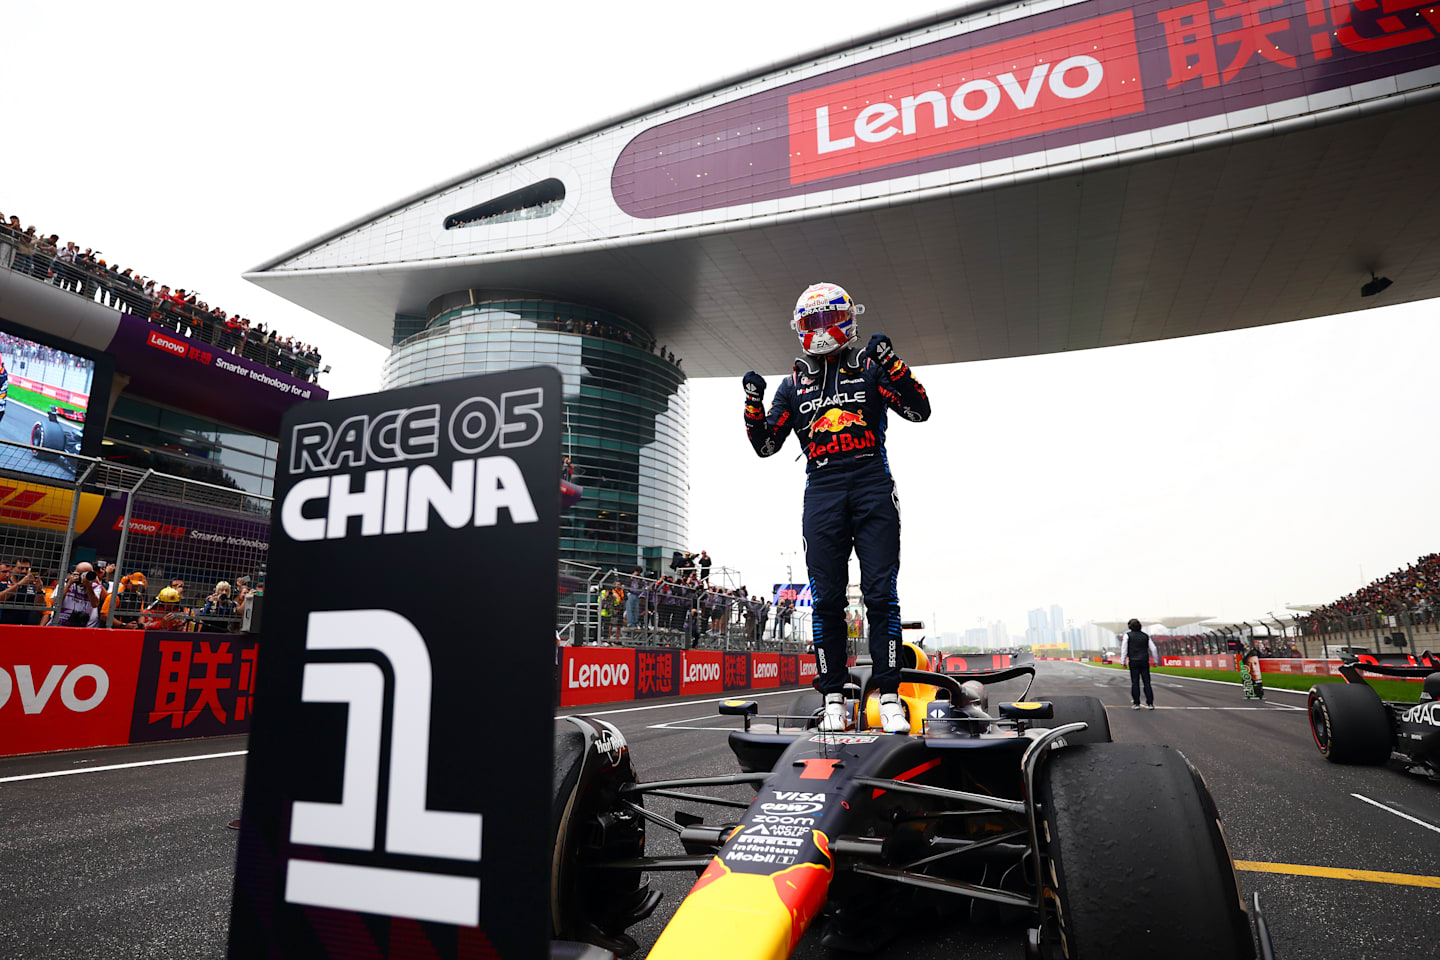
[{"x": 752, "y": 915}]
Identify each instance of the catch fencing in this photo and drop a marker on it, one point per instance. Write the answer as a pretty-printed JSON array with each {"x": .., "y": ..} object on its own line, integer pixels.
[
  {"x": 1412, "y": 631},
  {"x": 210, "y": 542}
]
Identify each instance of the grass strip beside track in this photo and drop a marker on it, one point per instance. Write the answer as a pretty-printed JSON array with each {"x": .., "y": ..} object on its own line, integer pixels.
[
  {"x": 38, "y": 400},
  {"x": 1387, "y": 689},
  {"x": 1340, "y": 873}
]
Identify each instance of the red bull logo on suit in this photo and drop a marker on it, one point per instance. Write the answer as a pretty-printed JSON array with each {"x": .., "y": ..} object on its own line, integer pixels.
[{"x": 834, "y": 420}]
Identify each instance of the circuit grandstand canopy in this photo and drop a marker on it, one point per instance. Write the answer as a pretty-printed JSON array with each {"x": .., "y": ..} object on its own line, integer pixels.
[
  {"x": 1171, "y": 623},
  {"x": 1002, "y": 180}
]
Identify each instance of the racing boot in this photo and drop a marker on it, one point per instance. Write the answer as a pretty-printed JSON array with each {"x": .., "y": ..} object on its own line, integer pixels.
[
  {"x": 833, "y": 720},
  {"x": 892, "y": 714}
]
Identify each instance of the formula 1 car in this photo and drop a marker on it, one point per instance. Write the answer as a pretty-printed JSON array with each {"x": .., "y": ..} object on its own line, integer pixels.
[
  {"x": 1351, "y": 724},
  {"x": 1026, "y": 816}
]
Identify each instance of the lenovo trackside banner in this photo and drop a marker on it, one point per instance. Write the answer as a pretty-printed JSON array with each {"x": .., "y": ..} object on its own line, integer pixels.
[
  {"x": 597, "y": 675},
  {"x": 79, "y": 687},
  {"x": 371, "y": 825},
  {"x": 66, "y": 688},
  {"x": 1081, "y": 73},
  {"x": 615, "y": 674}
]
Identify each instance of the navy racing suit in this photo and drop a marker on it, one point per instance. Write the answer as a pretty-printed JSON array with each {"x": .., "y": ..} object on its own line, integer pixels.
[{"x": 837, "y": 406}]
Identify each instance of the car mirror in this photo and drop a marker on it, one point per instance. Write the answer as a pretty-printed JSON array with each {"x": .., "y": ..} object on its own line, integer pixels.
[{"x": 1027, "y": 710}]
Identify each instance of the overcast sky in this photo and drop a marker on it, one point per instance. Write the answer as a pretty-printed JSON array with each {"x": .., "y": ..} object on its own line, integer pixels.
[{"x": 1223, "y": 475}]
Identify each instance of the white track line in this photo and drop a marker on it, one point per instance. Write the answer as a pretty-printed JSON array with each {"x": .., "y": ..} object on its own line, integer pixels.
[
  {"x": 123, "y": 766},
  {"x": 241, "y": 753},
  {"x": 1269, "y": 707},
  {"x": 741, "y": 695},
  {"x": 1404, "y": 816},
  {"x": 1227, "y": 683},
  {"x": 675, "y": 724}
]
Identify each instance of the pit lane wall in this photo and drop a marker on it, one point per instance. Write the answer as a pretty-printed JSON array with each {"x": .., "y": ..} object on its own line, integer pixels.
[
  {"x": 66, "y": 688},
  {"x": 589, "y": 675}
]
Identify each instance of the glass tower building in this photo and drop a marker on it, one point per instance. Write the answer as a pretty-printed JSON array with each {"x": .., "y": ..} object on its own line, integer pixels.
[{"x": 626, "y": 412}]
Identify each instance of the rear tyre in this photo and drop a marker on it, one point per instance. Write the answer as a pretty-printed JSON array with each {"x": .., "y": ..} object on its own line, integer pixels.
[
  {"x": 1349, "y": 723},
  {"x": 807, "y": 704},
  {"x": 1076, "y": 709},
  {"x": 1136, "y": 865},
  {"x": 49, "y": 435}
]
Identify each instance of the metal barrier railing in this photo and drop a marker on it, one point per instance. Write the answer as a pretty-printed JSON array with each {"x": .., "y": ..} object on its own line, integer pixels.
[
  {"x": 126, "y": 295},
  {"x": 148, "y": 531},
  {"x": 611, "y": 606}
]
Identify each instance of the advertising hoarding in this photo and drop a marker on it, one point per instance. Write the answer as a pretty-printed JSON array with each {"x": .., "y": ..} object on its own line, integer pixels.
[
  {"x": 63, "y": 688},
  {"x": 70, "y": 688},
  {"x": 1081, "y": 73}
]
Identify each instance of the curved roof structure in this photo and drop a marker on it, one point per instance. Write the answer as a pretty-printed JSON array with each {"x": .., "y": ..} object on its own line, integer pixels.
[
  {"x": 1004, "y": 180},
  {"x": 1172, "y": 622}
]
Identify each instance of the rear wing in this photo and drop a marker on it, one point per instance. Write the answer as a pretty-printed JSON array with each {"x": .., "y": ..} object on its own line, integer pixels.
[
  {"x": 972, "y": 665},
  {"x": 1352, "y": 667}
]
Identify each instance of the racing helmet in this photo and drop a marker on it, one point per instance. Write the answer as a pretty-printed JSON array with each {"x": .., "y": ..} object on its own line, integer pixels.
[{"x": 825, "y": 318}]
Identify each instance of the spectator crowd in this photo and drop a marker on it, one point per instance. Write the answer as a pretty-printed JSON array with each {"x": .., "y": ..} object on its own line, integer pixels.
[
  {"x": 530, "y": 211},
  {"x": 687, "y": 605},
  {"x": 86, "y": 273},
  {"x": 1413, "y": 589},
  {"x": 87, "y": 593},
  {"x": 29, "y": 350}
]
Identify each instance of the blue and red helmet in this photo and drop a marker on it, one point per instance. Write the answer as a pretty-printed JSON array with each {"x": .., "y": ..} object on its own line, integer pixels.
[{"x": 825, "y": 318}]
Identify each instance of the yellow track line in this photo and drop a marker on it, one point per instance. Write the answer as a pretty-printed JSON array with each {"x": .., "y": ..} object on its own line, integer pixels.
[{"x": 1340, "y": 873}]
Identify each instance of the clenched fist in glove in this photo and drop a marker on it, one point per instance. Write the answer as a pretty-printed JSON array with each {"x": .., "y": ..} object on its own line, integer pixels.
[
  {"x": 882, "y": 351},
  {"x": 754, "y": 387}
]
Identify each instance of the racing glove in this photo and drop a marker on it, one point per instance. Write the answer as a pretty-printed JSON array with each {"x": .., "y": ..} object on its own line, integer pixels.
[
  {"x": 754, "y": 388},
  {"x": 882, "y": 351}
]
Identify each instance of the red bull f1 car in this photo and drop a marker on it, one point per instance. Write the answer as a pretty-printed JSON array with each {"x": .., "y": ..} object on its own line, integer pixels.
[
  {"x": 1023, "y": 814},
  {"x": 1351, "y": 724}
]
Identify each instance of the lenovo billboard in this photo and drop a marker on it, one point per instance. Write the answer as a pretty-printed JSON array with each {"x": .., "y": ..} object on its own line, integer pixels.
[{"x": 1082, "y": 73}]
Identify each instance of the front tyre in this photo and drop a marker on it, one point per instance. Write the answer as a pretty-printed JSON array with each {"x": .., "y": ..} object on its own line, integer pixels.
[
  {"x": 590, "y": 826},
  {"x": 1135, "y": 863},
  {"x": 1349, "y": 723}
]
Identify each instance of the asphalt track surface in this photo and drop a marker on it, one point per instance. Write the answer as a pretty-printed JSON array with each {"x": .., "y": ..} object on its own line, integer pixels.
[{"x": 137, "y": 862}]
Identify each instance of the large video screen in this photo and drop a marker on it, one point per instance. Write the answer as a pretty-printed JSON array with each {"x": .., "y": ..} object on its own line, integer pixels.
[{"x": 44, "y": 396}]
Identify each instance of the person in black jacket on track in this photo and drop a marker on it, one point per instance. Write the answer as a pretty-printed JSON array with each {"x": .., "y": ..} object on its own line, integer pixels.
[{"x": 1137, "y": 650}]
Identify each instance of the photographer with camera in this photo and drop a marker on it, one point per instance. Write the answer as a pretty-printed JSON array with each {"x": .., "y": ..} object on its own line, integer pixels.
[
  {"x": 80, "y": 597},
  {"x": 22, "y": 586}
]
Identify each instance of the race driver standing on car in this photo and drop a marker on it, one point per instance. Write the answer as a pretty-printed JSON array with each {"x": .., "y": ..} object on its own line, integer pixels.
[{"x": 835, "y": 400}]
